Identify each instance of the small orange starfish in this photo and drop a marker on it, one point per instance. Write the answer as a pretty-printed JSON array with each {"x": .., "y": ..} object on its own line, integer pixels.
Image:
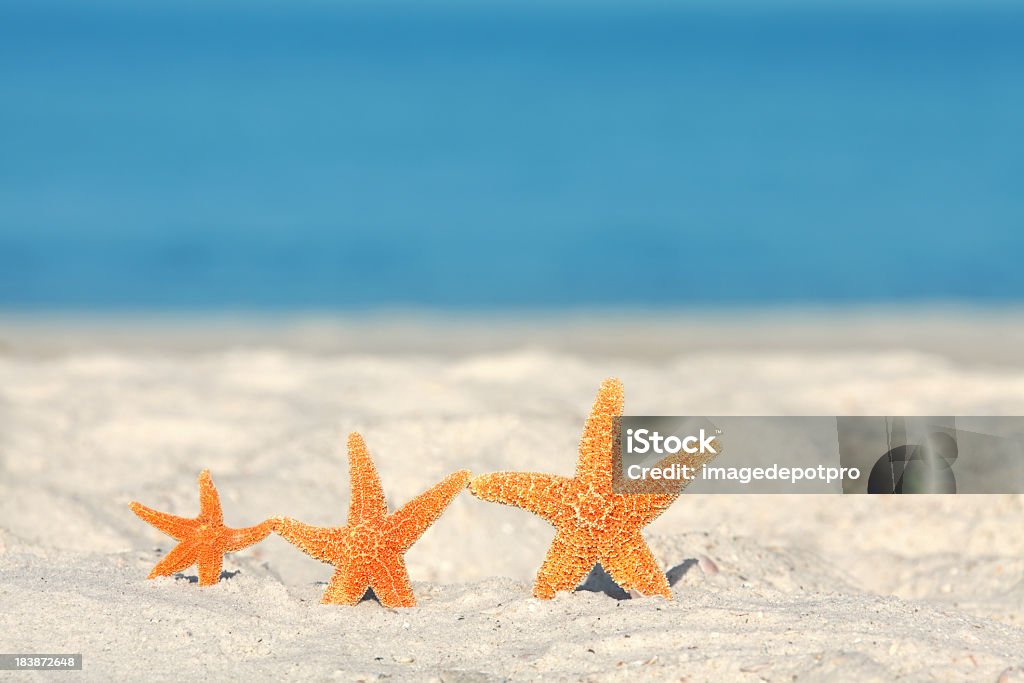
[
  {"x": 593, "y": 523},
  {"x": 204, "y": 539},
  {"x": 368, "y": 551}
]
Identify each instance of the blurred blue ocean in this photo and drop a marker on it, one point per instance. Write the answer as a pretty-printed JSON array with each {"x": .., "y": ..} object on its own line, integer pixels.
[{"x": 308, "y": 155}]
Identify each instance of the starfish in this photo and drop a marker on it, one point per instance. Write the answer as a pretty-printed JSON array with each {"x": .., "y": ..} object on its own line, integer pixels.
[
  {"x": 203, "y": 539},
  {"x": 593, "y": 524},
  {"x": 368, "y": 551}
]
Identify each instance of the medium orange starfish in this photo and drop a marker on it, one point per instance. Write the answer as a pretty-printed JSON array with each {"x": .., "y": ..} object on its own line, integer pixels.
[
  {"x": 204, "y": 539},
  {"x": 593, "y": 523},
  {"x": 368, "y": 551}
]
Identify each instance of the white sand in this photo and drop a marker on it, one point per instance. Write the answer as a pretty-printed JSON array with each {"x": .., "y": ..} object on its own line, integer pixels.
[{"x": 806, "y": 588}]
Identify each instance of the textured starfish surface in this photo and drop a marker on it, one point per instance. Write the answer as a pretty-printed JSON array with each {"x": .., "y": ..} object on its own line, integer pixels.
[
  {"x": 368, "y": 551},
  {"x": 203, "y": 540},
  {"x": 593, "y": 524}
]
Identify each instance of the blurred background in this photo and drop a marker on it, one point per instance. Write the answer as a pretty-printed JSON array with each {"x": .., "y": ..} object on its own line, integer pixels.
[{"x": 319, "y": 156}]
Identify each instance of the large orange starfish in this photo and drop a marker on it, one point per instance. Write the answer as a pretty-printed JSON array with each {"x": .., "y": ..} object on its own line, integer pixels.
[
  {"x": 593, "y": 523},
  {"x": 368, "y": 551},
  {"x": 203, "y": 539}
]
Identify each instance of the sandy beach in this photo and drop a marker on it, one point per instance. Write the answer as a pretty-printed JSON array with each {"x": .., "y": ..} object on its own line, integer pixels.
[
  {"x": 772, "y": 588},
  {"x": 232, "y": 234}
]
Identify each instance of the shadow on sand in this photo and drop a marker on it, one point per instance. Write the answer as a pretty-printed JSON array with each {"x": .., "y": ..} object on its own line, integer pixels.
[
  {"x": 598, "y": 580},
  {"x": 195, "y": 579}
]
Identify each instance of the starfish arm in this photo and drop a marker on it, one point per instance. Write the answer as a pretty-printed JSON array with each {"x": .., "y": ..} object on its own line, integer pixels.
[
  {"x": 346, "y": 587},
  {"x": 390, "y": 583},
  {"x": 316, "y": 541},
  {"x": 211, "y": 561},
  {"x": 172, "y": 525},
  {"x": 644, "y": 508},
  {"x": 567, "y": 563},
  {"x": 368, "y": 501},
  {"x": 408, "y": 524},
  {"x": 542, "y": 494},
  {"x": 183, "y": 555},
  {"x": 649, "y": 498},
  {"x": 237, "y": 539},
  {"x": 631, "y": 564},
  {"x": 599, "y": 443},
  {"x": 209, "y": 500}
]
